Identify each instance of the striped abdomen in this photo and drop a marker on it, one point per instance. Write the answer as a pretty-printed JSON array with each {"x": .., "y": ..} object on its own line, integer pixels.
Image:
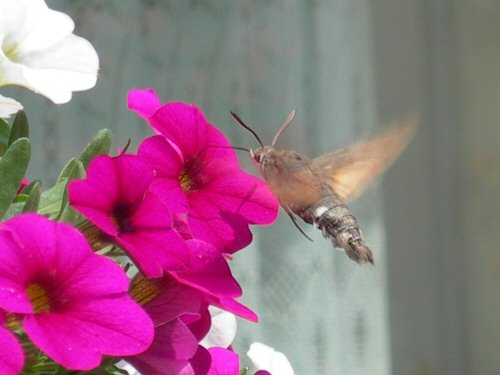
[{"x": 331, "y": 215}]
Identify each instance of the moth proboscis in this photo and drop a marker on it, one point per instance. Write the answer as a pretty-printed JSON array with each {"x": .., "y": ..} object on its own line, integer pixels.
[{"x": 317, "y": 189}]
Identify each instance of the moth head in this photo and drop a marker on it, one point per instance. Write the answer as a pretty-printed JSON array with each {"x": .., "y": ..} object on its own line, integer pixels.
[{"x": 261, "y": 156}]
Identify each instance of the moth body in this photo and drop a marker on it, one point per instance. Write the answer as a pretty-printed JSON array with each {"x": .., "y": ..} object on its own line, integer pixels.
[
  {"x": 301, "y": 190},
  {"x": 317, "y": 189}
]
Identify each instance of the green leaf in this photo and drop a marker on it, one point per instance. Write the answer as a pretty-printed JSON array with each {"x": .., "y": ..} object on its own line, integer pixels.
[
  {"x": 54, "y": 202},
  {"x": 4, "y": 136},
  {"x": 244, "y": 371},
  {"x": 19, "y": 127},
  {"x": 72, "y": 169},
  {"x": 14, "y": 209},
  {"x": 13, "y": 166},
  {"x": 33, "y": 191},
  {"x": 100, "y": 144},
  {"x": 51, "y": 199}
]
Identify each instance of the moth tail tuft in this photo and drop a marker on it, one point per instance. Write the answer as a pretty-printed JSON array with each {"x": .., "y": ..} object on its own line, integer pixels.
[{"x": 357, "y": 250}]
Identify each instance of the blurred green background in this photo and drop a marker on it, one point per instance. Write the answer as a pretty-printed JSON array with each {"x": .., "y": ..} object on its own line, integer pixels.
[{"x": 431, "y": 305}]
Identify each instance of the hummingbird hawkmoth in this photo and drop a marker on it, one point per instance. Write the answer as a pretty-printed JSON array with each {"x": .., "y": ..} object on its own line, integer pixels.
[{"x": 317, "y": 189}]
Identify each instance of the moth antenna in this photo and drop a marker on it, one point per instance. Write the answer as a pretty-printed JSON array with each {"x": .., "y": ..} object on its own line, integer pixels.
[
  {"x": 285, "y": 125},
  {"x": 232, "y": 147},
  {"x": 241, "y": 148},
  {"x": 240, "y": 121}
]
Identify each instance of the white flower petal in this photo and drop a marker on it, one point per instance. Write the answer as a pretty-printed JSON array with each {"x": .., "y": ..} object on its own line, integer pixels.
[
  {"x": 266, "y": 358},
  {"x": 8, "y": 106},
  {"x": 222, "y": 331},
  {"x": 127, "y": 367},
  {"x": 32, "y": 25},
  {"x": 38, "y": 51}
]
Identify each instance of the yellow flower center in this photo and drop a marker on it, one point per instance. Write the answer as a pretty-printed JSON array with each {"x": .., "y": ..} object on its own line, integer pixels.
[
  {"x": 144, "y": 290},
  {"x": 186, "y": 181},
  {"x": 9, "y": 49},
  {"x": 94, "y": 236},
  {"x": 39, "y": 298}
]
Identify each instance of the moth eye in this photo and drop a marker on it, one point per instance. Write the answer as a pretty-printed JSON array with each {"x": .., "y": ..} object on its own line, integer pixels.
[{"x": 257, "y": 158}]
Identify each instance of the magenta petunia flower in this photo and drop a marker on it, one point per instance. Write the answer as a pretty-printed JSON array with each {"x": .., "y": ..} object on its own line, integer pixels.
[
  {"x": 181, "y": 319},
  {"x": 115, "y": 197},
  {"x": 198, "y": 174},
  {"x": 73, "y": 304}
]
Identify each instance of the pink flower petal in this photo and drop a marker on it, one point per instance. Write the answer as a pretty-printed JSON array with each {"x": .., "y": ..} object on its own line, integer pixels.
[
  {"x": 175, "y": 300},
  {"x": 91, "y": 192},
  {"x": 226, "y": 231},
  {"x": 131, "y": 168},
  {"x": 89, "y": 311},
  {"x": 144, "y": 102},
  {"x": 200, "y": 327},
  {"x": 245, "y": 195},
  {"x": 173, "y": 347},
  {"x": 172, "y": 194},
  {"x": 71, "y": 260},
  {"x": 135, "y": 218},
  {"x": 109, "y": 181},
  {"x": 166, "y": 161},
  {"x": 208, "y": 271},
  {"x": 79, "y": 337},
  {"x": 13, "y": 297},
  {"x": 236, "y": 308},
  {"x": 11, "y": 354},
  {"x": 183, "y": 124},
  {"x": 224, "y": 362},
  {"x": 200, "y": 363},
  {"x": 154, "y": 251}
]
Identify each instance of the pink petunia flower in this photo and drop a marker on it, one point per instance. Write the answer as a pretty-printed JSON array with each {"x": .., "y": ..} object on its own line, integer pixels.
[
  {"x": 181, "y": 319},
  {"x": 198, "y": 174},
  {"x": 178, "y": 304},
  {"x": 115, "y": 197},
  {"x": 73, "y": 304}
]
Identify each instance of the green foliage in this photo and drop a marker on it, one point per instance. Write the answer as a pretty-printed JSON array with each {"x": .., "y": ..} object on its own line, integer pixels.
[
  {"x": 15, "y": 153},
  {"x": 4, "y": 136},
  {"x": 13, "y": 165},
  {"x": 54, "y": 201},
  {"x": 32, "y": 193},
  {"x": 100, "y": 144},
  {"x": 20, "y": 128}
]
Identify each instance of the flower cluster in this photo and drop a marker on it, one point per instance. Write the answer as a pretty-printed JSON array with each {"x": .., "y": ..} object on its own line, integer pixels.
[
  {"x": 125, "y": 257},
  {"x": 173, "y": 210}
]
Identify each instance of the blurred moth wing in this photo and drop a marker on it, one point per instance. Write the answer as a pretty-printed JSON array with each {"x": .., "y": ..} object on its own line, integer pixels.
[{"x": 350, "y": 171}]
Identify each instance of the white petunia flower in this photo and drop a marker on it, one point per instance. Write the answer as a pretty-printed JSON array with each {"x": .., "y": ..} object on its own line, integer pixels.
[
  {"x": 222, "y": 331},
  {"x": 8, "y": 106},
  {"x": 266, "y": 358},
  {"x": 39, "y": 51}
]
